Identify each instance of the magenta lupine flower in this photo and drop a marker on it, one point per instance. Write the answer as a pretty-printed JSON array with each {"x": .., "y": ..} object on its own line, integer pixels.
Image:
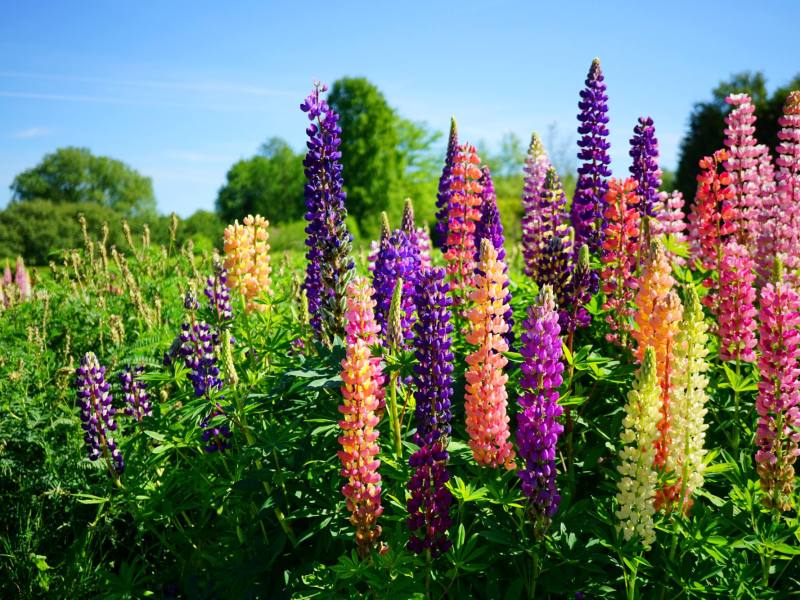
[
  {"x": 97, "y": 413},
  {"x": 23, "y": 280},
  {"x": 8, "y": 276},
  {"x": 644, "y": 169},
  {"x": 737, "y": 315},
  {"x": 768, "y": 218},
  {"x": 537, "y": 422},
  {"x": 137, "y": 400},
  {"x": 429, "y": 502},
  {"x": 588, "y": 204},
  {"x": 778, "y": 430},
  {"x": 443, "y": 196},
  {"x": 742, "y": 165},
  {"x": 536, "y": 166},
  {"x": 329, "y": 264}
]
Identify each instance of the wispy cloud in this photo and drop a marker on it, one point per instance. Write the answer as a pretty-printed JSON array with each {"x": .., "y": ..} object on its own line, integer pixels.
[{"x": 30, "y": 133}]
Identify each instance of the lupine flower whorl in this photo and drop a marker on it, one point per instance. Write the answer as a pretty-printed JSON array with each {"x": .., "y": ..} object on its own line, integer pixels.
[
  {"x": 737, "y": 296},
  {"x": 778, "y": 403},
  {"x": 397, "y": 259},
  {"x": 218, "y": 294},
  {"x": 97, "y": 413},
  {"x": 538, "y": 428},
  {"x": 644, "y": 169},
  {"x": 637, "y": 484},
  {"x": 583, "y": 284},
  {"x": 329, "y": 265},
  {"x": 536, "y": 166},
  {"x": 590, "y": 190},
  {"x": 491, "y": 228},
  {"x": 555, "y": 266},
  {"x": 445, "y": 189},
  {"x": 465, "y": 202},
  {"x": 620, "y": 249},
  {"x": 418, "y": 236},
  {"x": 430, "y": 500},
  {"x": 198, "y": 346},
  {"x": 742, "y": 165},
  {"x": 247, "y": 259},
  {"x": 688, "y": 404},
  {"x": 486, "y": 398},
  {"x": 787, "y": 180},
  {"x": 137, "y": 400},
  {"x": 712, "y": 214},
  {"x": 546, "y": 219},
  {"x": 361, "y": 384}
]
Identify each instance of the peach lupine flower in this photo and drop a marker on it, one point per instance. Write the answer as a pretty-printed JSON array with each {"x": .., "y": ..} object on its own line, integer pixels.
[{"x": 247, "y": 259}]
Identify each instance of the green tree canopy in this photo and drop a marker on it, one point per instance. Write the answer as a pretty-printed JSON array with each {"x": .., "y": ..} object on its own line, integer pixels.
[
  {"x": 75, "y": 175},
  {"x": 706, "y": 123},
  {"x": 270, "y": 184}
]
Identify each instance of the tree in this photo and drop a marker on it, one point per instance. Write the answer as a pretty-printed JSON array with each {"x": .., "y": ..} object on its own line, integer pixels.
[
  {"x": 707, "y": 122},
  {"x": 372, "y": 167},
  {"x": 270, "y": 184},
  {"x": 75, "y": 175}
]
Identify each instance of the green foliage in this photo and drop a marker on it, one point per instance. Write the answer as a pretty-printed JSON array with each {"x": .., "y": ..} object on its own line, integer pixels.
[
  {"x": 270, "y": 184},
  {"x": 707, "y": 122},
  {"x": 76, "y": 176}
]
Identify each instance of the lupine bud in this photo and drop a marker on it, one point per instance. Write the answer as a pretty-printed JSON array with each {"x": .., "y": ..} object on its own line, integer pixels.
[
  {"x": 361, "y": 380},
  {"x": 329, "y": 266},
  {"x": 583, "y": 284},
  {"x": 637, "y": 484},
  {"x": 247, "y": 259},
  {"x": 688, "y": 398},
  {"x": 778, "y": 403},
  {"x": 418, "y": 236},
  {"x": 737, "y": 313},
  {"x": 588, "y": 203},
  {"x": 137, "y": 400},
  {"x": 97, "y": 413},
  {"x": 429, "y": 502},
  {"x": 486, "y": 395},
  {"x": 538, "y": 428},
  {"x": 619, "y": 252},
  {"x": 394, "y": 335}
]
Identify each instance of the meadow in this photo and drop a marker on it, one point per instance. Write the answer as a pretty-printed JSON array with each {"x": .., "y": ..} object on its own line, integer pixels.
[{"x": 607, "y": 408}]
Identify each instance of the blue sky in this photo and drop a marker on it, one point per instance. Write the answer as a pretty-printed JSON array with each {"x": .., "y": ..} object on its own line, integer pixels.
[{"x": 180, "y": 90}]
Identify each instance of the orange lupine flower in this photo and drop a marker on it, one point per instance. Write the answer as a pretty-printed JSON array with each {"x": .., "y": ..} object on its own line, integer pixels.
[
  {"x": 247, "y": 259},
  {"x": 486, "y": 396}
]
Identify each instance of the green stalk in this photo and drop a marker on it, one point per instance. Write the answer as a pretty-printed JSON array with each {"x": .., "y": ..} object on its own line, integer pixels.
[{"x": 393, "y": 420}]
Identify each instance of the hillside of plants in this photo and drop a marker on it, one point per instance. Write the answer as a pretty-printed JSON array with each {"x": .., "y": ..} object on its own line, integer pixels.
[{"x": 569, "y": 393}]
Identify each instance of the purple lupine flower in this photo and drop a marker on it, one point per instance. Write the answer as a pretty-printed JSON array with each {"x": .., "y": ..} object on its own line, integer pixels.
[
  {"x": 8, "y": 277},
  {"x": 97, "y": 413},
  {"x": 536, "y": 166},
  {"x": 429, "y": 504},
  {"x": 216, "y": 432},
  {"x": 329, "y": 264},
  {"x": 555, "y": 267},
  {"x": 137, "y": 400},
  {"x": 219, "y": 294},
  {"x": 582, "y": 285},
  {"x": 396, "y": 259},
  {"x": 537, "y": 422},
  {"x": 588, "y": 204},
  {"x": 491, "y": 228},
  {"x": 198, "y": 348},
  {"x": 23, "y": 280},
  {"x": 547, "y": 218},
  {"x": 644, "y": 169},
  {"x": 418, "y": 236},
  {"x": 443, "y": 196}
]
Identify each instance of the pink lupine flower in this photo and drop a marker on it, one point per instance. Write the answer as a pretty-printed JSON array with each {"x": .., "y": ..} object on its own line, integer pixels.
[{"x": 737, "y": 325}]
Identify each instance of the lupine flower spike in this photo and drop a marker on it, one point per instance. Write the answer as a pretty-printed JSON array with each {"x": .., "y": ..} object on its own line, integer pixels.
[
  {"x": 620, "y": 249},
  {"x": 137, "y": 400},
  {"x": 430, "y": 500},
  {"x": 670, "y": 221},
  {"x": 23, "y": 280},
  {"x": 778, "y": 403},
  {"x": 737, "y": 313},
  {"x": 219, "y": 294},
  {"x": 638, "y": 478},
  {"x": 688, "y": 406},
  {"x": 588, "y": 203},
  {"x": 787, "y": 180},
  {"x": 538, "y": 428},
  {"x": 97, "y": 413},
  {"x": 361, "y": 382},
  {"x": 546, "y": 220},
  {"x": 486, "y": 395},
  {"x": 536, "y": 166},
  {"x": 418, "y": 236},
  {"x": 644, "y": 169},
  {"x": 583, "y": 284},
  {"x": 465, "y": 203},
  {"x": 329, "y": 267},
  {"x": 445, "y": 189},
  {"x": 247, "y": 260}
]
